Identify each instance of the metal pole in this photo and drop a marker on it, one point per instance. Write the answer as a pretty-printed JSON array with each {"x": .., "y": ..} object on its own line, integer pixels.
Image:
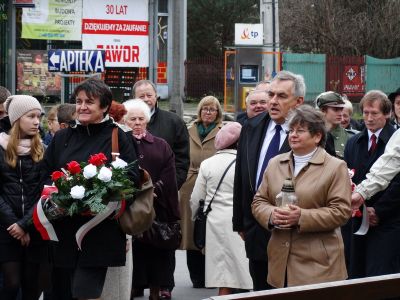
[
  {"x": 273, "y": 35},
  {"x": 12, "y": 41},
  {"x": 174, "y": 81},
  {"x": 153, "y": 9}
]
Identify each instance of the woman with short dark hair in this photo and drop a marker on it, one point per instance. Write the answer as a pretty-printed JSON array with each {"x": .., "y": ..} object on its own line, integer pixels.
[
  {"x": 306, "y": 244},
  {"x": 104, "y": 245}
]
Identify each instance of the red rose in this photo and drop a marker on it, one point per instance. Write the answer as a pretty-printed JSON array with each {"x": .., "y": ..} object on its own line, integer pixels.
[
  {"x": 358, "y": 214},
  {"x": 97, "y": 159},
  {"x": 74, "y": 167},
  {"x": 57, "y": 175}
]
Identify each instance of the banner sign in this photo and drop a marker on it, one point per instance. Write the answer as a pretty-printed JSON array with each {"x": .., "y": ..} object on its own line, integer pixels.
[
  {"x": 53, "y": 20},
  {"x": 121, "y": 28},
  {"x": 249, "y": 34},
  {"x": 23, "y": 3},
  {"x": 353, "y": 79},
  {"x": 76, "y": 60},
  {"x": 33, "y": 78}
]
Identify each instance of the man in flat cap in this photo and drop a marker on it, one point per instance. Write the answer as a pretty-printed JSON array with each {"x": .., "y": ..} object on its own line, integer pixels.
[{"x": 331, "y": 104}]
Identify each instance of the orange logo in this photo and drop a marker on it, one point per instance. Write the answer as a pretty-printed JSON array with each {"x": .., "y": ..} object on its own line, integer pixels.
[{"x": 245, "y": 35}]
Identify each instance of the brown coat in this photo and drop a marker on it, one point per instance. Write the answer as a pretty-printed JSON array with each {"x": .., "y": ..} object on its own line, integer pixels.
[
  {"x": 199, "y": 151},
  {"x": 313, "y": 252}
]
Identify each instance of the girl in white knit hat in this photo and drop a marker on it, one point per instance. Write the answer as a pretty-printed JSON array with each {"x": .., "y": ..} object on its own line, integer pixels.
[{"x": 22, "y": 252}]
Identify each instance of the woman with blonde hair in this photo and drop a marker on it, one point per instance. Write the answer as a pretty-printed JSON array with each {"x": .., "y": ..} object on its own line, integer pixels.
[
  {"x": 22, "y": 252},
  {"x": 201, "y": 135}
]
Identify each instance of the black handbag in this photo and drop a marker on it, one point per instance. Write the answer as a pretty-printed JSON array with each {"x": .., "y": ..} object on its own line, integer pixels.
[
  {"x": 163, "y": 235},
  {"x": 200, "y": 222}
]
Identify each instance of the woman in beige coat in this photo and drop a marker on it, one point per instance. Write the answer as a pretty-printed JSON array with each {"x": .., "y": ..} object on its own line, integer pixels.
[
  {"x": 308, "y": 246},
  {"x": 201, "y": 135}
]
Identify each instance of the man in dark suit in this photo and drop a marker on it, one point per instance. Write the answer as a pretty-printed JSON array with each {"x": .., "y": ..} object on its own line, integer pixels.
[
  {"x": 376, "y": 252},
  {"x": 262, "y": 137}
]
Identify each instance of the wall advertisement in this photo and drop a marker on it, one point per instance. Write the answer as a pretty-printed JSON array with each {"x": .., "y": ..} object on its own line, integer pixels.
[
  {"x": 121, "y": 28},
  {"x": 33, "y": 77},
  {"x": 53, "y": 20}
]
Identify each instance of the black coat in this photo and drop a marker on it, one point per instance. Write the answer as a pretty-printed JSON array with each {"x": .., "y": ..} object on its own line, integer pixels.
[
  {"x": 357, "y": 157},
  {"x": 19, "y": 191},
  {"x": 104, "y": 245},
  {"x": 356, "y": 151},
  {"x": 156, "y": 156},
  {"x": 249, "y": 147},
  {"x": 172, "y": 129},
  {"x": 368, "y": 255}
]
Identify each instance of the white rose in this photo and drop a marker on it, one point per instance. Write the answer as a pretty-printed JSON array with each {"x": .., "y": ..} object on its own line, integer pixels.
[
  {"x": 77, "y": 192},
  {"x": 119, "y": 163},
  {"x": 105, "y": 174},
  {"x": 89, "y": 171}
]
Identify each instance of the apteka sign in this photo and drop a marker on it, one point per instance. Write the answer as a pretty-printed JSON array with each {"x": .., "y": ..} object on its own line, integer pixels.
[
  {"x": 121, "y": 28},
  {"x": 76, "y": 60}
]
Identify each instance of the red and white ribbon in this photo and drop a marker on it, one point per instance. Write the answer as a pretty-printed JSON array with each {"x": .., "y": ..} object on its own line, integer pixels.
[
  {"x": 85, "y": 228},
  {"x": 42, "y": 224}
]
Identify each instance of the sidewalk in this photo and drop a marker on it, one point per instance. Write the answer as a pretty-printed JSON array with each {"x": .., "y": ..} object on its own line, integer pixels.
[{"x": 183, "y": 286}]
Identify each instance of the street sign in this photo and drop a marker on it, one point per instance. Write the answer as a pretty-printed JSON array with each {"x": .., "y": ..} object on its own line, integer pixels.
[{"x": 76, "y": 60}]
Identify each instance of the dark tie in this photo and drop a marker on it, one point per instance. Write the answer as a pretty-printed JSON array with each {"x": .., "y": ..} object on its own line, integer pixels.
[
  {"x": 273, "y": 150},
  {"x": 373, "y": 144}
]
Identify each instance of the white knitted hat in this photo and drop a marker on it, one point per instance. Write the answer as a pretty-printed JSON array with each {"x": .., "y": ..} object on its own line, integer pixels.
[{"x": 18, "y": 105}]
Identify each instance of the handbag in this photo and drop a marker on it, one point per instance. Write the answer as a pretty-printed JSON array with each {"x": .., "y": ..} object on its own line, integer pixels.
[
  {"x": 200, "y": 222},
  {"x": 163, "y": 235},
  {"x": 139, "y": 216}
]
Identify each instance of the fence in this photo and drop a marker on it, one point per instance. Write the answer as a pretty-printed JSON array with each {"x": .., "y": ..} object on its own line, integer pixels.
[
  {"x": 350, "y": 75},
  {"x": 311, "y": 66},
  {"x": 204, "y": 76},
  {"x": 383, "y": 74}
]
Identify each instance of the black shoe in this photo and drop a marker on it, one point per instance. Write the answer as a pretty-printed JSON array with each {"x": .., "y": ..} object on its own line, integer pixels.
[
  {"x": 199, "y": 285},
  {"x": 138, "y": 292}
]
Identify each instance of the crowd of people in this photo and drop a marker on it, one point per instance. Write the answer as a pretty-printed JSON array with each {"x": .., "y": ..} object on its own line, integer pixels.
[{"x": 337, "y": 227}]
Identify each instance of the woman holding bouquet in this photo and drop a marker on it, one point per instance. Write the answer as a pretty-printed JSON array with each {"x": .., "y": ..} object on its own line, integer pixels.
[
  {"x": 22, "y": 252},
  {"x": 152, "y": 265},
  {"x": 104, "y": 245}
]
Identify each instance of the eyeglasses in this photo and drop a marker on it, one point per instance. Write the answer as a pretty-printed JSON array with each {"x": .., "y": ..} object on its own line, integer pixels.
[
  {"x": 209, "y": 110},
  {"x": 297, "y": 131}
]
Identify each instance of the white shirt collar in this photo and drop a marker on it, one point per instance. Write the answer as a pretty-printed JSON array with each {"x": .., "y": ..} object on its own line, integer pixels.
[{"x": 377, "y": 133}]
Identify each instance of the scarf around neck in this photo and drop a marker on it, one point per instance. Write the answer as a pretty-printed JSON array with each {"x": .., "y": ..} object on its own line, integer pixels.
[
  {"x": 204, "y": 131},
  {"x": 140, "y": 136},
  {"x": 24, "y": 145}
]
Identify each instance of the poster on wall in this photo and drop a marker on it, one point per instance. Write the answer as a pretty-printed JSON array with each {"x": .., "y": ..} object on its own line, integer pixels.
[
  {"x": 353, "y": 79},
  {"x": 121, "y": 28},
  {"x": 33, "y": 77},
  {"x": 53, "y": 20}
]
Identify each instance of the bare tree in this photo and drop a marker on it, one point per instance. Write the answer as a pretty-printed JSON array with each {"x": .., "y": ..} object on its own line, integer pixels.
[
  {"x": 211, "y": 24},
  {"x": 341, "y": 27}
]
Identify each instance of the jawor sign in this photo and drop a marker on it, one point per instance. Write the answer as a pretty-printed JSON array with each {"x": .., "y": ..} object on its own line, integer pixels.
[{"x": 120, "y": 27}]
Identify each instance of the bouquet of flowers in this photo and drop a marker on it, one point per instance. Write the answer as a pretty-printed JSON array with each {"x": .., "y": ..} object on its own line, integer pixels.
[{"x": 87, "y": 187}]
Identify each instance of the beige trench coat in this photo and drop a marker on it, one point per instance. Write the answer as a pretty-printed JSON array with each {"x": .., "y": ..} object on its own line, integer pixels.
[
  {"x": 313, "y": 252},
  {"x": 199, "y": 151}
]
